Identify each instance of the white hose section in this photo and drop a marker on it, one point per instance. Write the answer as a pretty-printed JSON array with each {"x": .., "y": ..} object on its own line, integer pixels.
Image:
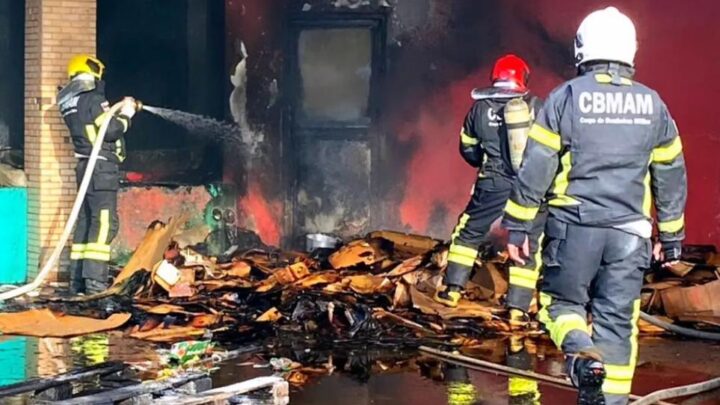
[{"x": 82, "y": 190}]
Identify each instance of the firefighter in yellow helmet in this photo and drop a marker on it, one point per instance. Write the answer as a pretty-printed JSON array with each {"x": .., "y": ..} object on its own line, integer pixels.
[{"x": 84, "y": 107}]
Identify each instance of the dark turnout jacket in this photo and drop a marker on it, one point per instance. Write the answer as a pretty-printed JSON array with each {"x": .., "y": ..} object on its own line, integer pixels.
[
  {"x": 605, "y": 148},
  {"x": 483, "y": 137},
  {"x": 83, "y": 107}
]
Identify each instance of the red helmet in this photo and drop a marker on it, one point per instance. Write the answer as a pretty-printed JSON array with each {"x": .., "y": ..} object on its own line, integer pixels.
[{"x": 511, "y": 71}]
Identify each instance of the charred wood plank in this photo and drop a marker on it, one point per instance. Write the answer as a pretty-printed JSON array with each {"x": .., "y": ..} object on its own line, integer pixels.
[{"x": 41, "y": 384}]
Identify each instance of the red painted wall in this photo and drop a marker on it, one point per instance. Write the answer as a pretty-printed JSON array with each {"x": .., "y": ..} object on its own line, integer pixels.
[
  {"x": 433, "y": 65},
  {"x": 678, "y": 56}
]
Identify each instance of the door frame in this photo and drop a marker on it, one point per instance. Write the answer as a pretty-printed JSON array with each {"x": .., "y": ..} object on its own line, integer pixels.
[{"x": 329, "y": 130}]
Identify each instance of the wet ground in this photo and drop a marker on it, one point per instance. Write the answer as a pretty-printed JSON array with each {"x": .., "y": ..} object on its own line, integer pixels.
[{"x": 379, "y": 376}]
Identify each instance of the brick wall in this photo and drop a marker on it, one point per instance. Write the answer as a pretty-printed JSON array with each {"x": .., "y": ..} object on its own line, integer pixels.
[{"x": 55, "y": 30}]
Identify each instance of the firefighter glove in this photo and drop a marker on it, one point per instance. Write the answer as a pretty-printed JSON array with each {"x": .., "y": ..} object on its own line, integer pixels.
[{"x": 129, "y": 107}]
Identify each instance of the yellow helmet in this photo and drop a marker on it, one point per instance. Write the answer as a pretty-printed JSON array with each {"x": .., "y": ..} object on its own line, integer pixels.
[{"x": 86, "y": 64}]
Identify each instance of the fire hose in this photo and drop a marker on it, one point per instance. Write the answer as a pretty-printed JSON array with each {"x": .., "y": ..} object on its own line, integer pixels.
[
  {"x": 682, "y": 391},
  {"x": 679, "y": 329},
  {"x": 656, "y": 397},
  {"x": 82, "y": 190}
]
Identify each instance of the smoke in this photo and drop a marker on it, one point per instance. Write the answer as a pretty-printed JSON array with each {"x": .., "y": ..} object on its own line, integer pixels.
[{"x": 433, "y": 73}]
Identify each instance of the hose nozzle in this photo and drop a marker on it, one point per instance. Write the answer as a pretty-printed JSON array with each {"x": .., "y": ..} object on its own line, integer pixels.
[{"x": 139, "y": 105}]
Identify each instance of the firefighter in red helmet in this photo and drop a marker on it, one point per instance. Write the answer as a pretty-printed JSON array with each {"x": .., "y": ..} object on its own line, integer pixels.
[{"x": 491, "y": 140}]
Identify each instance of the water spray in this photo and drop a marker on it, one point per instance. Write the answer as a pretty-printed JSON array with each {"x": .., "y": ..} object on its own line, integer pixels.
[{"x": 245, "y": 140}]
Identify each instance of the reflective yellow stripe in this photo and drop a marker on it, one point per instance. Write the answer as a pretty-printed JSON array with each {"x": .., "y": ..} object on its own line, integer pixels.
[
  {"x": 520, "y": 212},
  {"x": 543, "y": 314},
  {"x": 77, "y": 251},
  {"x": 104, "y": 227},
  {"x": 523, "y": 277},
  {"x": 562, "y": 183},
  {"x": 606, "y": 78},
  {"x": 647, "y": 196},
  {"x": 467, "y": 139},
  {"x": 527, "y": 278},
  {"x": 95, "y": 348},
  {"x": 634, "y": 334},
  {"x": 564, "y": 324},
  {"x": 560, "y": 327},
  {"x": 461, "y": 393},
  {"x": 460, "y": 259},
  {"x": 563, "y": 201},
  {"x": 103, "y": 257},
  {"x": 545, "y": 137},
  {"x": 521, "y": 386},
  {"x": 124, "y": 121},
  {"x": 119, "y": 150},
  {"x": 91, "y": 133},
  {"x": 463, "y": 250},
  {"x": 616, "y": 387},
  {"x": 619, "y": 377},
  {"x": 672, "y": 226},
  {"x": 619, "y": 373},
  {"x": 98, "y": 247},
  {"x": 665, "y": 154},
  {"x": 462, "y": 255},
  {"x": 522, "y": 282},
  {"x": 464, "y": 218},
  {"x": 100, "y": 118}
]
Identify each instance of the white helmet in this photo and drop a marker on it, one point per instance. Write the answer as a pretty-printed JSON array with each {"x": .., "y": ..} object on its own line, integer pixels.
[{"x": 608, "y": 35}]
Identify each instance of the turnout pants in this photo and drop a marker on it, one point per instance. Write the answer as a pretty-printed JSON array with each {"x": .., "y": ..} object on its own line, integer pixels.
[
  {"x": 486, "y": 205},
  {"x": 96, "y": 226},
  {"x": 600, "y": 270}
]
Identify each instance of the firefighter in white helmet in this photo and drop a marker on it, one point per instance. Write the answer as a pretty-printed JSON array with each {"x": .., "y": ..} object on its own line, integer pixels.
[{"x": 605, "y": 148}]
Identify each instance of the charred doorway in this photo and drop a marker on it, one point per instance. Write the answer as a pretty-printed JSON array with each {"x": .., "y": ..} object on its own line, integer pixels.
[{"x": 335, "y": 65}]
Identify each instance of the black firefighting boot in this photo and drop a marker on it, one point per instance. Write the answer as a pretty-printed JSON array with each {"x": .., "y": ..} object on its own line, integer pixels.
[
  {"x": 93, "y": 287},
  {"x": 77, "y": 283},
  {"x": 96, "y": 276},
  {"x": 587, "y": 373},
  {"x": 450, "y": 296}
]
